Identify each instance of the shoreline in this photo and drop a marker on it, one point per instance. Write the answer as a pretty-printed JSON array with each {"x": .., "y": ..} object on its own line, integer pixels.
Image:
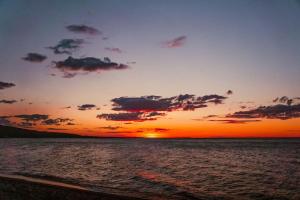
[{"x": 16, "y": 187}]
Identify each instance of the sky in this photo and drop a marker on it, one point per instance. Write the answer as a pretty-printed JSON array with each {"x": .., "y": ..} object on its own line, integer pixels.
[{"x": 137, "y": 68}]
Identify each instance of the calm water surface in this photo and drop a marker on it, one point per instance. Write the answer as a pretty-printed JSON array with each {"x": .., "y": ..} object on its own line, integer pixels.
[{"x": 180, "y": 169}]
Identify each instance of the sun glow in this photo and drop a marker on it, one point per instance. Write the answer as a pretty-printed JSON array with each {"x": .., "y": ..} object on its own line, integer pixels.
[{"x": 151, "y": 135}]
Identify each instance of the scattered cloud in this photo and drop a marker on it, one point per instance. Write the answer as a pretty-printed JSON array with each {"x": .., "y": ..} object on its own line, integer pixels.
[
  {"x": 161, "y": 129},
  {"x": 35, "y": 57},
  {"x": 4, "y": 85},
  {"x": 157, "y": 103},
  {"x": 26, "y": 124},
  {"x": 83, "y": 29},
  {"x": 71, "y": 66},
  {"x": 286, "y": 100},
  {"x": 4, "y": 121},
  {"x": 86, "y": 107},
  {"x": 110, "y": 127},
  {"x": 32, "y": 117},
  {"x": 151, "y": 107},
  {"x": 234, "y": 121},
  {"x": 128, "y": 116},
  {"x": 210, "y": 116},
  {"x": 57, "y": 129},
  {"x": 278, "y": 111},
  {"x": 67, "y": 107},
  {"x": 67, "y": 46},
  {"x": 112, "y": 49},
  {"x": 57, "y": 121},
  {"x": 176, "y": 42},
  {"x": 8, "y": 101},
  {"x": 30, "y": 120},
  {"x": 229, "y": 92}
]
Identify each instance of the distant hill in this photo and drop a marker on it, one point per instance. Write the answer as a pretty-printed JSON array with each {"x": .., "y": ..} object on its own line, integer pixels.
[{"x": 12, "y": 132}]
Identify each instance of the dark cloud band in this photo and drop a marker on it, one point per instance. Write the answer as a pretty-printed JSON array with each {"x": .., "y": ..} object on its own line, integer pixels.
[
  {"x": 71, "y": 66},
  {"x": 152, "y": 107}
]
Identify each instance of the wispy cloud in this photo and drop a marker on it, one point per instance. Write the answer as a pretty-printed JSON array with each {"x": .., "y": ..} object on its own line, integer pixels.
[
  {"x": 114, "y": 50},
  {"x": 176, "y": 42},
  {"x": 83, "y": 29},
  {"x": 286, "y": 110},
  {"x": 128, "y": 116},
  {"x": 32, "y": 117},
  {"x": 67, "y": 46},
  {"x": 4, "y": 120},
  {"x": 234, "y": 121},
  {"x": 110, "y": 127}
]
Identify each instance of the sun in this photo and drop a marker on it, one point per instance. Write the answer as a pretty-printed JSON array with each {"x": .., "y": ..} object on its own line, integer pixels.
[{"x": 151, "y": 135}]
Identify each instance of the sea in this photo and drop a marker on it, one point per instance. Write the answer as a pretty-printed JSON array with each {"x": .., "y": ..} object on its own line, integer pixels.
[{"x": 238, "y": 169}]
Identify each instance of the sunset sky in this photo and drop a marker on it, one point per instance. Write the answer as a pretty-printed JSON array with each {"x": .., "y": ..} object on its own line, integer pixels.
[{"x": 137, "y": 68}]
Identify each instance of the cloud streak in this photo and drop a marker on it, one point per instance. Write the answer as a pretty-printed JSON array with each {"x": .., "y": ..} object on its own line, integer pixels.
[
  {"x": 176, "y": 42},
  {"x": 128, "y": 116},
  {"x": 86, "y": 107},
  {"x": 234, "y": 121},
  {"x": 4, "y": 101},
  {"x": 35, "y": 57},
  {"x": 83, "y": 29},
  {"x": 32, "y": 117},
  {"x": 4, "y": 85}
]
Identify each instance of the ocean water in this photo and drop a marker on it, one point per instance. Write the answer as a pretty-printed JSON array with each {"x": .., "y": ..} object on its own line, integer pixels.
[{"x": 174, "y": 168}]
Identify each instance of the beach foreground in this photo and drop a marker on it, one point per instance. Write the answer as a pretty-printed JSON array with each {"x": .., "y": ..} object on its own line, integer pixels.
[{"x": 20, "y": 188}]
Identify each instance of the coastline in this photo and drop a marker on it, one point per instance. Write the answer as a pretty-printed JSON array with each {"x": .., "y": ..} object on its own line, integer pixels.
[{"x": 15, "y": 187}]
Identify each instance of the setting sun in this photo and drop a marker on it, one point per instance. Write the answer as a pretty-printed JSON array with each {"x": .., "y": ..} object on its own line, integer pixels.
[{"x": 151, "y": 135}]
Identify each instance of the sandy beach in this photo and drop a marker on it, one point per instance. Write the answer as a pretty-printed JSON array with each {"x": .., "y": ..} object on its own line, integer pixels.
[{"x": 14, "y": 187}]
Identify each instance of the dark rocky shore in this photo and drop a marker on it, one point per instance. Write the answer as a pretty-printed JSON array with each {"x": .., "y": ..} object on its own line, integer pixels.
[{"x": 21, "y": 188}]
